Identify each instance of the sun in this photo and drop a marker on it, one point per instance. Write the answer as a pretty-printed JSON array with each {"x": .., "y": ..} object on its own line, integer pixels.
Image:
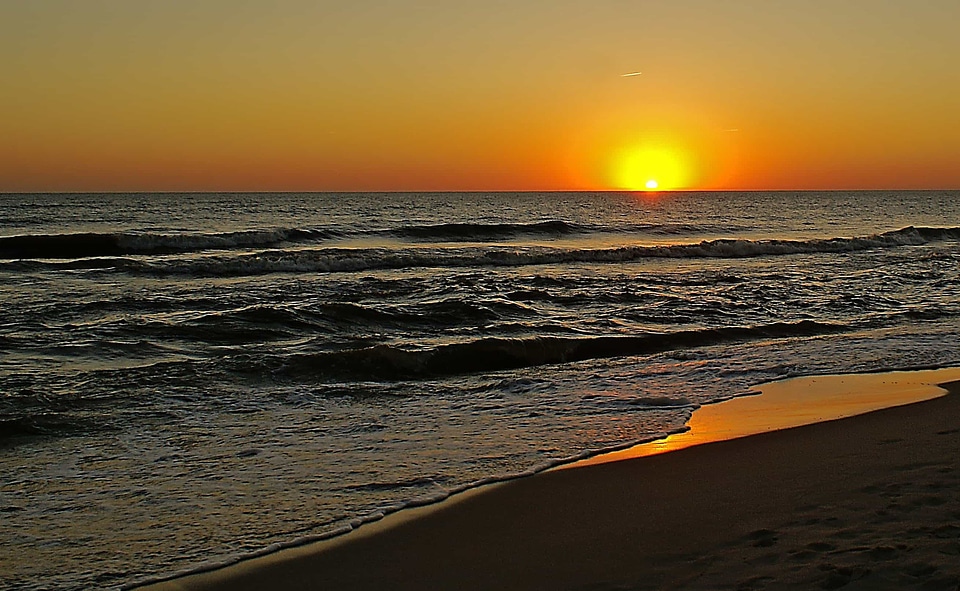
[{"x": 650, "y": 168}]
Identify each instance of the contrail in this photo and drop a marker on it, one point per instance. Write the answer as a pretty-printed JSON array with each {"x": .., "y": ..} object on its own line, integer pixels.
[{"x": 630, "y": 74}]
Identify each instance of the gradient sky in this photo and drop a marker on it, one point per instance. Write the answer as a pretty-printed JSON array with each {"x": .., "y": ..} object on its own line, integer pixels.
[{"x": 478, "y": 95}]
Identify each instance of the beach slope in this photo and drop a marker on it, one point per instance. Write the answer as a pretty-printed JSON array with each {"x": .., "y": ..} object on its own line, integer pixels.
[{"x": 866, "y": 502}]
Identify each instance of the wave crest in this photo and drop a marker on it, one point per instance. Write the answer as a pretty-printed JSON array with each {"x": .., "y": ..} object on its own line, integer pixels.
[
  {"x": 333, "y": 260},
  {"x": 87, "y": 245},
  {"x": 108, "y": 251},
  {"x": 494, "y": 354}
]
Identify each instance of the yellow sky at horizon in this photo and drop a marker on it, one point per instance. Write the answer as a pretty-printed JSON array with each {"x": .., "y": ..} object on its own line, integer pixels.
[{"x": 431, "y": 95}]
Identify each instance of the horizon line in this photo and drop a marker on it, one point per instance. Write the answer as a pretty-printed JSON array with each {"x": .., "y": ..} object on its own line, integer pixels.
[{"x": 440, "y": 191}]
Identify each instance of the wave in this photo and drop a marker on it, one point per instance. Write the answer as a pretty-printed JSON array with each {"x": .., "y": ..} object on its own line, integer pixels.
[
  {"x": 335, "y": 260},
  {"x": 481, "y": 232},
  {"x": 263, "y": 322},
  {"x": 477, "y": 232},
  {"x": 88, "y": 245},
  {"x": 116, "y": 244},
  {"x": 387, "y": 362},
  {"x": 20, "y": 429}
]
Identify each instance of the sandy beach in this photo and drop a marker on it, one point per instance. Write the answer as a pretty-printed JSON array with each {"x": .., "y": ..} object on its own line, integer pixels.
[{"x": 864, "y": 502}]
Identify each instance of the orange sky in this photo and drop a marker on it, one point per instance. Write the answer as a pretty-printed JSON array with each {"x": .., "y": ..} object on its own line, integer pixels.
[{"x": 470, "y": 95}]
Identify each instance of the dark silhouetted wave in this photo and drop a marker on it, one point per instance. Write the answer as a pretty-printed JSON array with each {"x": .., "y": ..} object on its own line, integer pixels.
[
  {"x": 117, "y": 244},
  {"x": 86, "y": 245},
  {"x": 484, "y": 232},
  {"x": 17, "y": 429},
  {"x": 385, "y": 362},
  {"x": 476, "y": 232}
]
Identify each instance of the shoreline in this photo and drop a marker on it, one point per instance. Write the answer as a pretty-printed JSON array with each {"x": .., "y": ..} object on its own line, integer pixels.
[
  {"x": 789, "y": 403},
  {"x": 538, "y": 532}
]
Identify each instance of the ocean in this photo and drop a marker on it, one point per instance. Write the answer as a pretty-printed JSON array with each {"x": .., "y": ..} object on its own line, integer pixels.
[{"x": 188, "y": 379}]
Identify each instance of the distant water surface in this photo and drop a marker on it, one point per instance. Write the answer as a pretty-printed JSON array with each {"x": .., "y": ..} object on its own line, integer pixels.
[{"x": 190, "y": 378}]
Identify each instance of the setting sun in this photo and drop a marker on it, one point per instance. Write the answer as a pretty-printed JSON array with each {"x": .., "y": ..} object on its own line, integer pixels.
[{"x": 650, "y": 168}]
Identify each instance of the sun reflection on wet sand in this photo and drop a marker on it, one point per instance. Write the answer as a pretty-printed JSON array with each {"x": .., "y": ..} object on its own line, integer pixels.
[{"x": 792, "y": 403}]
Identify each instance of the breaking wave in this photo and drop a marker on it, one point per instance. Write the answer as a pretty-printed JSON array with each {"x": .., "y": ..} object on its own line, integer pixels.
[
  {"x": 386, "y": 362},
  {"x": 118, "y": 245},
  {"x": 338, "y": 260},
  {"x": 87, "y": 245},
  {"x": 478, "y": 232}
]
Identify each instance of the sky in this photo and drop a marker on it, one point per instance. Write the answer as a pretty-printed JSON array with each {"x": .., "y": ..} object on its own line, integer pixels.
[{"x": 425, "y": 95}]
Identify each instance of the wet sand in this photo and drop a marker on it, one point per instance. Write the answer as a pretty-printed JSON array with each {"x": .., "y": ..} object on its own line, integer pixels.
[{"x": 870, "y": 501}]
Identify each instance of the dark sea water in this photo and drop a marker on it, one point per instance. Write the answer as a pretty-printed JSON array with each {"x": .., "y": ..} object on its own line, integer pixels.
[{"x": 187, "y": 379}]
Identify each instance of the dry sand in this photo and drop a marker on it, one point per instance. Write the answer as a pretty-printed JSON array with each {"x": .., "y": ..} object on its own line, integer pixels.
[{"x": 866, "y": 502}]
